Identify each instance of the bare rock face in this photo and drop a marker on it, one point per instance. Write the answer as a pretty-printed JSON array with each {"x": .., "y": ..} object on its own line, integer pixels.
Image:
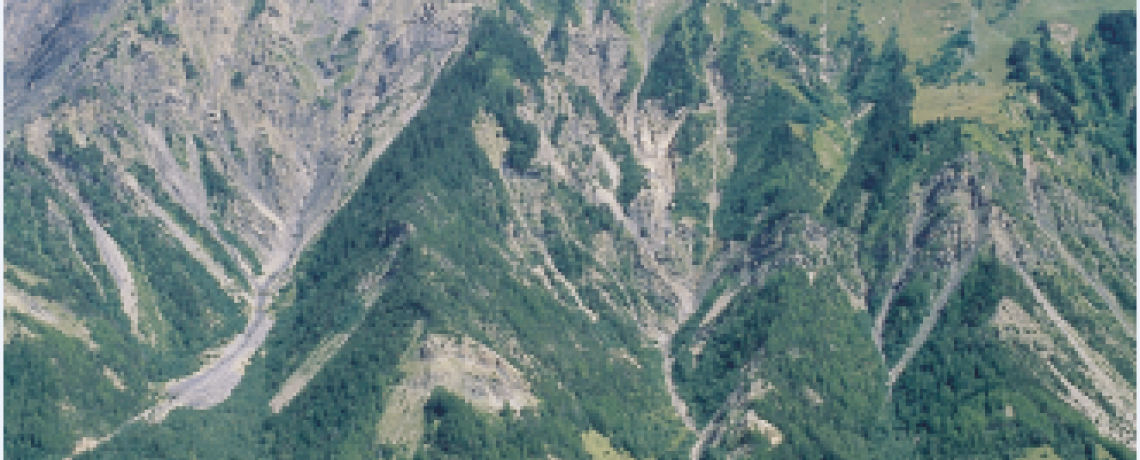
[
  {"x": 463, "y": 367},
  {"x": 236, "y": 132},
  {"x": 290, "y": 103},
  {"x": 471, "y": 370},
  {"x": 42, "y": 40}
]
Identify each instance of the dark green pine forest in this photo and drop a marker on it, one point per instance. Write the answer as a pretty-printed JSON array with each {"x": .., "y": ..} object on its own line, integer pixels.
[{"x": 828, "y": 321}]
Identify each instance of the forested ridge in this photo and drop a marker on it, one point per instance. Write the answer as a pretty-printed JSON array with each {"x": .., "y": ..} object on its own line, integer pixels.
[{"x": 697, "y": 230}]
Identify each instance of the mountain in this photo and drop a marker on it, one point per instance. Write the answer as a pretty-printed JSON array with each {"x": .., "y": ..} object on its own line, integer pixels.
[{"x": 555, "y": 229}]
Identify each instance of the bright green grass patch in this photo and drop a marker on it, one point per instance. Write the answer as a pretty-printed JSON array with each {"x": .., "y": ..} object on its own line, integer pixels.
[
  {"x": 958, "y": 101},
  {"x": 1040, "y": 453},
  {"x": 599, "y": 447}
]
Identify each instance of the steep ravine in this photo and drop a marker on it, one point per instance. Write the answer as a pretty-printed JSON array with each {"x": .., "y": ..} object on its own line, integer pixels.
[
  {"x": 109, "y": 251},
  {"x": 291, "y": 105},
  {"x": 649, "y": 132},
  {"x": 1039, "y": 218},
  {"x": 278, "y": 218}
]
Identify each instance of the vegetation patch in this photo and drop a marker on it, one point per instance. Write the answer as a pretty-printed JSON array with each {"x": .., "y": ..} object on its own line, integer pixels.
[
  {"x": 955, "y": 393},
  {"x": 148, "y": 179},
  {"x": 675, "y": 76},
  {"x": 599, "y": 448}
]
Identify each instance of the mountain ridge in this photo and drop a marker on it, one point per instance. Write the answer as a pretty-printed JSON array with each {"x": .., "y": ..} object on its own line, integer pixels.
[{"x": 679, "y": 229}]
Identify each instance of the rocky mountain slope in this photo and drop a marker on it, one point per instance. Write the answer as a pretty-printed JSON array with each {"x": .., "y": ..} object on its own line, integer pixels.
[{"x": 559, "y": 229}]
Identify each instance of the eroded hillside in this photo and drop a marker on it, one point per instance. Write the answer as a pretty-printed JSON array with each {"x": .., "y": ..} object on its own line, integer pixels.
[{"x": 568, "y": 229}]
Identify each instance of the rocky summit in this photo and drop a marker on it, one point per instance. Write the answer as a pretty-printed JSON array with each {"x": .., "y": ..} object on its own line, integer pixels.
[{"x": 557, "y": 229}]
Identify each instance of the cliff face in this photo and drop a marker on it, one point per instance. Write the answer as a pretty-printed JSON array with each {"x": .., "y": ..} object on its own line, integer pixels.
[{"x": 657, "y": 229}]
